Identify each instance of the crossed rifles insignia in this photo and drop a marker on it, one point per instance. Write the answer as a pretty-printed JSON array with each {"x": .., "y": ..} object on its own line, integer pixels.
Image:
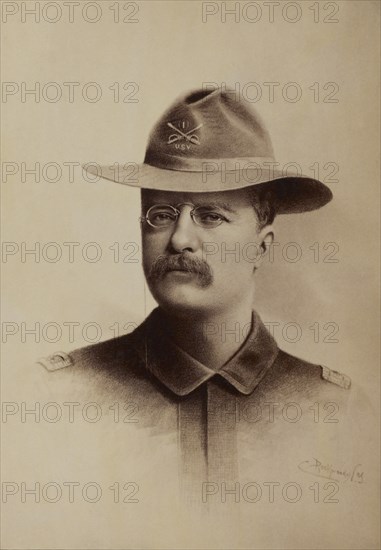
[{"x": 180, "y": 135}]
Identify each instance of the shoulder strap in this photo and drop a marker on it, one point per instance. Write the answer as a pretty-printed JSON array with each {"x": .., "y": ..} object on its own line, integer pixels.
[
  {"x": 56, "y": 361},
  {"x": 335, "y": 377}
]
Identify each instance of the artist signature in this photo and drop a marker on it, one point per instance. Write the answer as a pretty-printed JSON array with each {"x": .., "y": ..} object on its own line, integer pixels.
[{"x": 320, "y": 469}]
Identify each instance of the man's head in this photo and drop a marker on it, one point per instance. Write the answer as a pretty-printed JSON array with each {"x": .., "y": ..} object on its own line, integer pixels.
[
  {"x": 200, "y": 250},
  {"x": 210, "y": 161}
]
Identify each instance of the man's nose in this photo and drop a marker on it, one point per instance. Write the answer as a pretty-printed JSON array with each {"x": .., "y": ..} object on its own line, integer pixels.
[{"x": 185, "y": 235}]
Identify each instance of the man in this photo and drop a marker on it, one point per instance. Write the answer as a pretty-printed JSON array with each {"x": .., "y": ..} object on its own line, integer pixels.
[{"x": 208, "y": 182}]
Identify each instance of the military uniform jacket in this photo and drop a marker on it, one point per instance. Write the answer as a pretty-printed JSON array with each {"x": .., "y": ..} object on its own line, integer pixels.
[
  {"x": 265, "y": 413},
  {"x": 239, "y": 458}
]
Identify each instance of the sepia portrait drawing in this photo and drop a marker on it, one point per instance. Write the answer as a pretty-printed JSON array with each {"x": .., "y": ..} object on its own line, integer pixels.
[
  {"x": 193, "y": 303},
  {"x": 207, "y": 186}
]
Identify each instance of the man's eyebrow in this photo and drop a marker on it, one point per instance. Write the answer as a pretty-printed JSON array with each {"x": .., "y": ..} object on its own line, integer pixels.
[{"x": 221, "y": 205}]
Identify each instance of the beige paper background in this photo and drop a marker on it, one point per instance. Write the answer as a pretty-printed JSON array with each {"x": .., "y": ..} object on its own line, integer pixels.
[{"x": 170, "y": 50}]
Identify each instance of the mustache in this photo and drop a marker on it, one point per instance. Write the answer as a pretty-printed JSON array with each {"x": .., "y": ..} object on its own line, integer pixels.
[{"x": 184, "y": 262}]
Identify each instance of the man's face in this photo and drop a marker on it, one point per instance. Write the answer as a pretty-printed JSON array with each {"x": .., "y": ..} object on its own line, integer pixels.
[{"x": 206, "y": 268}]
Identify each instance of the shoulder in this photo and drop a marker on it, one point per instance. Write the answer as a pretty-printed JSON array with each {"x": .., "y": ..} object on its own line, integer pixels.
[
  {"x": 111, "y": 370},
  {"x": 304, "y": 370},
  {"x": 115, "y": 355},
  {"x": 292, "y": 375},
  {"x": 107, "y": 373}
]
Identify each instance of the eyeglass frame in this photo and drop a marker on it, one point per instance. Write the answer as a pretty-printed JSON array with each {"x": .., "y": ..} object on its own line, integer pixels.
[{"x": 177, "y": 213}]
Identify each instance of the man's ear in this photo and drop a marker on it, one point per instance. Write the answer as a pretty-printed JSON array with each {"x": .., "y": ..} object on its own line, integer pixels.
[
  {"x": 265, "y": 240},
  {"x": 266, "y": 236}
]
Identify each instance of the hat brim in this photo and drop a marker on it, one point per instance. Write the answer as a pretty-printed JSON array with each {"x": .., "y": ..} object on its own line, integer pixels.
[{"x": 291, "y": 194}]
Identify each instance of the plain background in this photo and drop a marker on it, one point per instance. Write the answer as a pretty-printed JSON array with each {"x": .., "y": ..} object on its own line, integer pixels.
[{"x": 169, "y": 51}]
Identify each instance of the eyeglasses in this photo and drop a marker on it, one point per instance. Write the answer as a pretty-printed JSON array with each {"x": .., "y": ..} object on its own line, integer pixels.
[{"x": 165, "y": 215}]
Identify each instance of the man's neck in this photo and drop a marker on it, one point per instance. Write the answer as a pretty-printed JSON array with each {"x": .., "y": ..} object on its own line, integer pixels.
[{"x": 211, "y": 339}]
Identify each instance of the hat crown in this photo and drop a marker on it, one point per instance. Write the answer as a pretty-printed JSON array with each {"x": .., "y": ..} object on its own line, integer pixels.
[{"x": 205, "y": 125}]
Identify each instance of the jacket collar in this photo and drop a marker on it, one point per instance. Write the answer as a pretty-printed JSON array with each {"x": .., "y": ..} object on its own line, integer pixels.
[{"x": 182, "y": 374}]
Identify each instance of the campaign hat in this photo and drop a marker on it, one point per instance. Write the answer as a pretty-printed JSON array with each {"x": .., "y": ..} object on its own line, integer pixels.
[{"x": 213, "y": 140}]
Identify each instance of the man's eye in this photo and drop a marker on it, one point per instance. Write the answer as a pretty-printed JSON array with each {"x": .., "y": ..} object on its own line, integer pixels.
[
  {"x": 161, "y": 218},
  {"x": 211, "y": 218}
]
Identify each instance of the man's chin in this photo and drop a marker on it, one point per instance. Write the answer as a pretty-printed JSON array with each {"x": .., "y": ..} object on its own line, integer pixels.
[{"x": 182, "y": 300}]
